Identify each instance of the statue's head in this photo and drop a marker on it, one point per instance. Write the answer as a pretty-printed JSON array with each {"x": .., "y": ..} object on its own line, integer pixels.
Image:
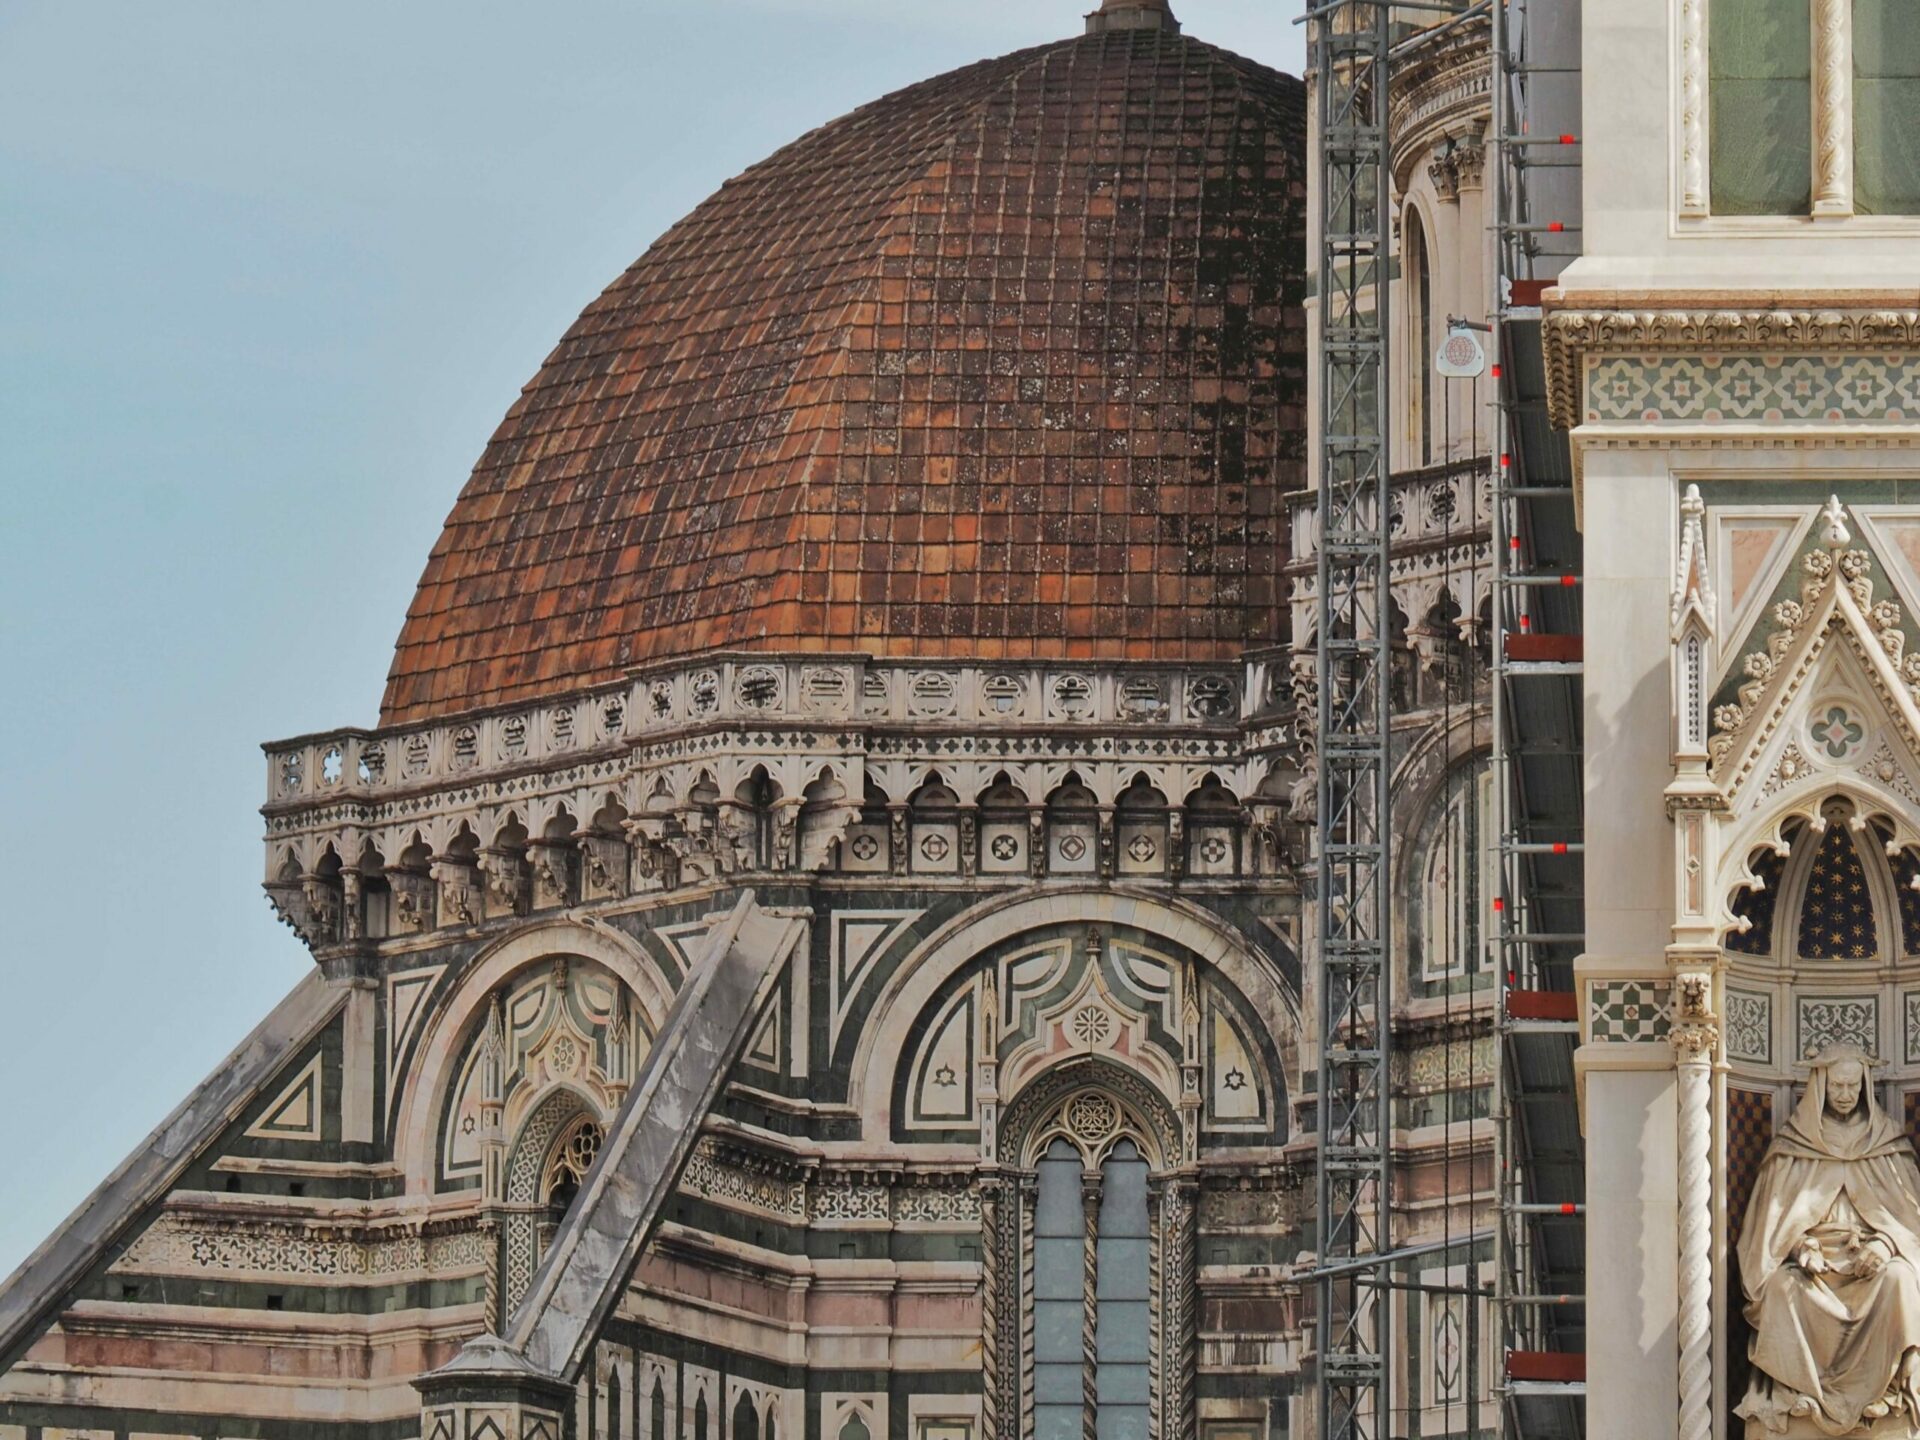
[{"x": 1845, "y": 1080}]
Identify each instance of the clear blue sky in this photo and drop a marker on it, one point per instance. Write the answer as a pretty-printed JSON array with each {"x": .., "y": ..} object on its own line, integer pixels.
[{"x": 269, "y": 275}]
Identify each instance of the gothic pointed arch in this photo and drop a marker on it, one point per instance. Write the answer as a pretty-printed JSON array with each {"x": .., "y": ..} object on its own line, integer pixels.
[
  {"x": 444, "y": 1052},
  {"x": 1091, "y": 1311}
]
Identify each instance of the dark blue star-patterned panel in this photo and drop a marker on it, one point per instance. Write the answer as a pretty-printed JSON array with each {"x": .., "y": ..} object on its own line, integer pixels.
[
  {"x": 1904, "y": 874},
  {"x": 1836, "y": 919},
  {"x": 1757, "y": 906}
]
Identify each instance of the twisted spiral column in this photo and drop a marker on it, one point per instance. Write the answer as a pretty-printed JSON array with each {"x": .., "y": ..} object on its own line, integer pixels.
[
  {"x": 490, "y": 1244},
  {"x": 1833, "y": 107},
  {"x": 1693, "y": 107},
  {"x": 1089, "y": 1338},
  {"x": 1029, "y": 1196},
  {"x": 990, "y": 1259},
  {"x": 1157, "y": 1312},
  {"x": 1694, "y": 1045}
]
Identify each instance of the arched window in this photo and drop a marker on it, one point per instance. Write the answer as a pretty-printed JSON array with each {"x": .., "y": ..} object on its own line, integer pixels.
[
  {"x": 657, "y": 1411},
  {"x": 855, "y": 1429},
  {"x": 751, "y": 823},
  {"x": 700, "y": 1418},
  {"x": 1454, "y": 868},
  {"x": 1213, "y": 830},
  {"x": 1419, "y": 282},
  {"x": 1086, "y": 1247},
  {"x": 567, "y": 1167},
  {"x": 616, "y": 1429},
  {"x": 746, "y": 1420}
]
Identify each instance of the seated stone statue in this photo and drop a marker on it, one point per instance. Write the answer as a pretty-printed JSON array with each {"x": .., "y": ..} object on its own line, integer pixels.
[{"x": 1827, "y": 1257}]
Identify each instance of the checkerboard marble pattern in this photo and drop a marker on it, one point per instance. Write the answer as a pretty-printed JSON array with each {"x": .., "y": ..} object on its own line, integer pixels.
[
  {"x": 1623, "y": 1011},
  {"x": 1749, "y": 1132}
]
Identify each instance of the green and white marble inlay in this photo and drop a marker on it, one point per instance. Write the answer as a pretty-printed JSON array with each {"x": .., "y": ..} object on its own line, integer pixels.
[
  {"x": 1623, "y": 1011},
  {"x": 1754, "y": 389}
]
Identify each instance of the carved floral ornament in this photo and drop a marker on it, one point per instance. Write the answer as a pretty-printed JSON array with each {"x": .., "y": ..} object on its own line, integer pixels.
[{"x": 1836, "y": 606}]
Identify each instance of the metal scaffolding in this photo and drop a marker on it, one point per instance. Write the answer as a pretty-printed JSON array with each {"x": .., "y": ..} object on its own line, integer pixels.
[
  {"x": 1540, "y": 1243},
  {"x": 1354, "y": 1121}
]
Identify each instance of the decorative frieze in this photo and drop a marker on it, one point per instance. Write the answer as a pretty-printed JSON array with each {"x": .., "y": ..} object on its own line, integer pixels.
[
  {"x": 1825, "y": 1020},
  {"x": 1749, "y": 1026},
  {"x": 1574, "y": 340},
  {"x": 800, "y": 1191},
  {"x": 734, "y": 690},
  {"x": 1451, "y": 1063},
  {"x": 489, "y": 820},
  {"x": 1825, "y": 389},
  {"x": 746, "y": 1179},
  {"x": 302, "y": 1250}
]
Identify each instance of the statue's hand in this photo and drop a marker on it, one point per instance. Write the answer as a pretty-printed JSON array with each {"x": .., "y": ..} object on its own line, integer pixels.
[
  {"x": 1808, "y": 1257},
  {"x": 1870, "y": 1259}
]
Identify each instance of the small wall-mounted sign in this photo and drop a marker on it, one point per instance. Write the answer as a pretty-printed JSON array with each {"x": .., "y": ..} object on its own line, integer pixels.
[{"x": 1460, "y": 356}]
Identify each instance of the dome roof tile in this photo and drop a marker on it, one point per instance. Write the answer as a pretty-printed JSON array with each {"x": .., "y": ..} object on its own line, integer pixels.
[{"x": 1007, "y": 364}]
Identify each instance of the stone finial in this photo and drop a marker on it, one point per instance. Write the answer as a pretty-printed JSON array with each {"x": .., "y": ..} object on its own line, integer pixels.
[
  {"x": 1692, "y": 589},
  {"x": 1132, "y": 15},
  {"x": 1834, "y": 534}
]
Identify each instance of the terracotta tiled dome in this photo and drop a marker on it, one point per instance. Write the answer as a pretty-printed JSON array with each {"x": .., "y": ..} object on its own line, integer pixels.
[{"x": 1007, "y": 364}]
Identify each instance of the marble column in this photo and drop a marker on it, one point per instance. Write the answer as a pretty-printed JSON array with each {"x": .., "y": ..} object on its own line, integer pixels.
[{"x": 1696, "y": 1039}]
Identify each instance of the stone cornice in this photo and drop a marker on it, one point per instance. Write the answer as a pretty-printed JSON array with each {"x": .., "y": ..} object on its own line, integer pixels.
[
  {"x": 1440, "y": 91},
  {"x": 1569, "y": 336}
]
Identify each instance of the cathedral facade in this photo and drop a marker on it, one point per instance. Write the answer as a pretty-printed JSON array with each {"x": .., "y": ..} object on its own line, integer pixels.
[
  {"x": 1733, "y": 354},
  {"x": 818, "y": 941}
]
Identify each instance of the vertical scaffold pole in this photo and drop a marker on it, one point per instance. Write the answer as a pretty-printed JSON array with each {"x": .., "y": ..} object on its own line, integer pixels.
[{"x": 1353, "y": 1316}]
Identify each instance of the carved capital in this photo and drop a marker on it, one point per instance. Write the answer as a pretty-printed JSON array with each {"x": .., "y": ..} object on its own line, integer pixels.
[{"x": 1695, "y": 1035}]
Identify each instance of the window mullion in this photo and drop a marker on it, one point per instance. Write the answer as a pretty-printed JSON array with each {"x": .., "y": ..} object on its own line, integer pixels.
[
  {"x": 1833, "y": 107},
  {"x": 1693, "y": 107},
  {"x": 1089, "y": 1279}
]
